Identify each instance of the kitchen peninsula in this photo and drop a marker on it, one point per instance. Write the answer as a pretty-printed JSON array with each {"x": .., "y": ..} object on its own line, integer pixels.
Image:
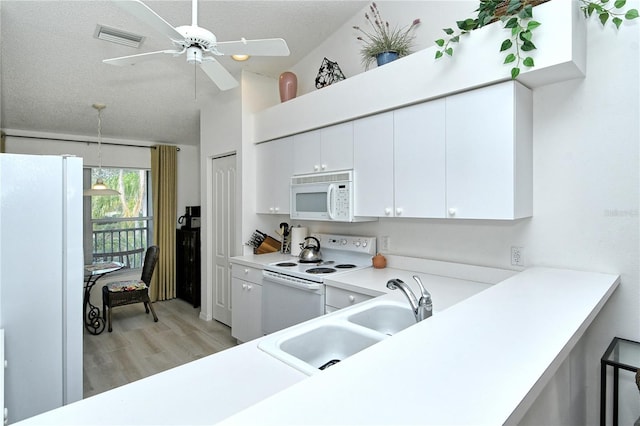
[{"x": 483, "y": 360}]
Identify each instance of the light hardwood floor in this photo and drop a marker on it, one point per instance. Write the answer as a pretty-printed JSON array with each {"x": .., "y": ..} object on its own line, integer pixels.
[{"x": 139, "y": 347}]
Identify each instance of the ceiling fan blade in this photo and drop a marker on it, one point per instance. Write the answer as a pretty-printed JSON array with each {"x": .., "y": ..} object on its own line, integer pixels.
[
  {"x": 263, "y": 47},
  {"x": 134, "y": 59},
  {"x": 218, "y": 74},
  {"x": 144, "y": 13}
]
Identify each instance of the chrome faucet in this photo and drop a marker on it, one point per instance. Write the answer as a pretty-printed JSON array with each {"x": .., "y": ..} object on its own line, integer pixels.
[{"x": 423, "y": 307}]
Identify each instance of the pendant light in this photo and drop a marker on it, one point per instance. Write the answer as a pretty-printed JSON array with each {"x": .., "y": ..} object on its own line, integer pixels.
[{"x": 99, "y": 188}]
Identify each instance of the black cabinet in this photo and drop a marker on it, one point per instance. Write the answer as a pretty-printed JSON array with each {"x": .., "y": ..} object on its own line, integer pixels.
[{"x": 188, "y": 265}]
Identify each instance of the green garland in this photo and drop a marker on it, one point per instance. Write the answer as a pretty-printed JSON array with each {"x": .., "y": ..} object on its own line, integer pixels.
[{"x": 518, "y": 20}]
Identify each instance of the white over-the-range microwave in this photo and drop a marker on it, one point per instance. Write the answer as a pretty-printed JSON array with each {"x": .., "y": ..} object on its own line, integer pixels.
[{"x": 324, "y": 196}]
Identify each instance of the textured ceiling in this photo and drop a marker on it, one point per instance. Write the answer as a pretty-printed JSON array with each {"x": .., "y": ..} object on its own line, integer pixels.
[{"x": 52, "y": 71}]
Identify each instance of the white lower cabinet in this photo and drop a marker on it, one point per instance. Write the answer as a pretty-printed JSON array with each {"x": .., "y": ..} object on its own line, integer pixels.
[
  {"x": 338, "y": 298},
  {"x": 246, "y": 302}
]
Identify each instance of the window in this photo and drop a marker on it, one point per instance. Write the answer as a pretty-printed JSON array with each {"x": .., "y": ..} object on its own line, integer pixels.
[{"x": 120, "y": 227}]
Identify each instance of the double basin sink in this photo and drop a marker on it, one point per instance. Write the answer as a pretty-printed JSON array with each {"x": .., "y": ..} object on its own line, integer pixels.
[{"x": 319, "y": 343}]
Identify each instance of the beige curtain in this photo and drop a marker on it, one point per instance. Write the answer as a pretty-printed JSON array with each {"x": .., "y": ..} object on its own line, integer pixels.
[{"x": 164, "y": 184}]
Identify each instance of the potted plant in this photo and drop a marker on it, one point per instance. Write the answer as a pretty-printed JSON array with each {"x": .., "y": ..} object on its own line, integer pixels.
[
  {"x": 517, "y": 16},
  {"x": 382, "y": 43}
]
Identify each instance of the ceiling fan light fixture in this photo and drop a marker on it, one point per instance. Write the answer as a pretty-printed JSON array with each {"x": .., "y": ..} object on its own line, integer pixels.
[
  {"x": 114, "y": 35},
  {"x": 194, "y": 55},
  {"x": 240, "y": 58}
]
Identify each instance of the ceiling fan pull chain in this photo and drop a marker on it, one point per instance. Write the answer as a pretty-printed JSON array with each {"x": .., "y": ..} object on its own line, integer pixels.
[{"x": 195, "y": 79}]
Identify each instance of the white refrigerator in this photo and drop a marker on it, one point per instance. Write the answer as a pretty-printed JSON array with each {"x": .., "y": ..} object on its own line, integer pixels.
[{"x": 41, "y": 282}]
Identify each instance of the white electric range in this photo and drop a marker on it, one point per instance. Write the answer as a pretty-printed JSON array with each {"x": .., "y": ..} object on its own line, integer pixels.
[{"x": 293, "y": 291}]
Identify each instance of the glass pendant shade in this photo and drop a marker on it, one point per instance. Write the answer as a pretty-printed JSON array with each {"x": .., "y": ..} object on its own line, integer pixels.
[{"x": 99, "y": 188}]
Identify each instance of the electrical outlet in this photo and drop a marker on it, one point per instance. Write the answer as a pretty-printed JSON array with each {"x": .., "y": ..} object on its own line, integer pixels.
[
  {"x": 385, "y": 243},
  {"x": 517, "y": 256}
]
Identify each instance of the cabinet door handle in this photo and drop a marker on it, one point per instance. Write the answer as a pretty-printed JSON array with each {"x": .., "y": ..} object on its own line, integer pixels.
[
  {"x": 387, "y": 211},
  {"x": 316, "y": 168},
  {"x": 276, "y": 209},
  {"x": 249, "y": 287},
  {"x": 398, "y": 212},
  {"x": 244, "y": 286},
  {"x": 323, "y": 167},
  {"x": 246, "y": 272},
  {"x": 452, "y": 211},
  {"x": 352, "y": 298}
]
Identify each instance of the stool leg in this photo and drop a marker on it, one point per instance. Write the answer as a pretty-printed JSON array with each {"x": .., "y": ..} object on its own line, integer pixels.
[
  {"x": 615, "y": 395},
  {"x": 603, "y": 394}
]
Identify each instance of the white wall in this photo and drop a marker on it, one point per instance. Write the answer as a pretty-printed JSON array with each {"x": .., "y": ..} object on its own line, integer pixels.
[
  {"x": 586, "y": 190},
  {"x": 586, "y": 205},
  {"x": 114, "y": 156},
  {"x": 220, "y": 134},
  {"x": 343, "y": 47}
]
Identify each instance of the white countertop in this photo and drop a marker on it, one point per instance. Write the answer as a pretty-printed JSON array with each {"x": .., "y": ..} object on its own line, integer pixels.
[
  {"x": 483, "y": 360},
  {"x": 204, "y": 391},
  {"x": 445, "y": 291}
]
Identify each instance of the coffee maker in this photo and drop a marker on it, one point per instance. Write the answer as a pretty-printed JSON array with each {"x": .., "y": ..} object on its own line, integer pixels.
[{"x": 191, "y": 218}]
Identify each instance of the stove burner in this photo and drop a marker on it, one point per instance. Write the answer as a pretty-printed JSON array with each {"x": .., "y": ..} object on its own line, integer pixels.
[
  {"x": 320, "y": 270},
  {"x": 286, "y": 264},
  {"x": 345, "y": 266}
]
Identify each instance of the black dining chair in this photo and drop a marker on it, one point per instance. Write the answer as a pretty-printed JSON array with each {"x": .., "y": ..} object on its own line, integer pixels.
[{"x": 120, "y": 293}]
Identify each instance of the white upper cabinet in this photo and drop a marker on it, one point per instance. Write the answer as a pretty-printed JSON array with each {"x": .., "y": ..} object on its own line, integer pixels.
[
  {"x": 373, "y": 165},
  {"x": 326, "y": 149},
  {"x": 419, "y": 160},
  {"x": 336, "y": 145},
  {"x": 306, "y": 152},
  {"x": 274, "y": 167},
  {"x": 466, "y": 156},
  {"x": 489, "y": 153}
]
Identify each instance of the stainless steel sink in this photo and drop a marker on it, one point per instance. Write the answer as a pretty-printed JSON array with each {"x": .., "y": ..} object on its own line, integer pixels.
[
  {"x": 322, "y": 342},
  {"x": 385, "y": 318}
]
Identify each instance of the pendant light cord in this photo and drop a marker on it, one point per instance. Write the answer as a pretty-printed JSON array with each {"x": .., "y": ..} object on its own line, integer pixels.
[{"x": 99, "y": 138}]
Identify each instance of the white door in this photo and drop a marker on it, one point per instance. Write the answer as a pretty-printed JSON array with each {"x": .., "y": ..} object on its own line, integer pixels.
[
  {"x": 419, "y": 160},
  {"x": 373, "y": 165},
  {"x": 224, "y": 226},
  {"x": 336, "y": 146},
  {"x": 306, "y": 153},
  {"x": 480, "y": 153}
]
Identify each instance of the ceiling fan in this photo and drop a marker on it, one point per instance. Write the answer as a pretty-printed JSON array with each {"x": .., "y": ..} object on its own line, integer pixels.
[{"x": 199, "y": 45}]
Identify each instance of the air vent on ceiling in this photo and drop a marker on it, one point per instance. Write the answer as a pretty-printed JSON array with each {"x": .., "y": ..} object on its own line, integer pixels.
[{"x": 118, "y": 36}]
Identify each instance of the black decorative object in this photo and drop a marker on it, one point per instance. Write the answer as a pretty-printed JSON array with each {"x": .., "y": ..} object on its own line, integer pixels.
[{"x": 328, "y": 74}]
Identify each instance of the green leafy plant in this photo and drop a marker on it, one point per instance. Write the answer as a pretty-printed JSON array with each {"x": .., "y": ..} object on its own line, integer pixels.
[
  {"x": 517, "y": 18},
  {"x": 381, "y": 38},
  {"x": 614, "y": 9}
]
